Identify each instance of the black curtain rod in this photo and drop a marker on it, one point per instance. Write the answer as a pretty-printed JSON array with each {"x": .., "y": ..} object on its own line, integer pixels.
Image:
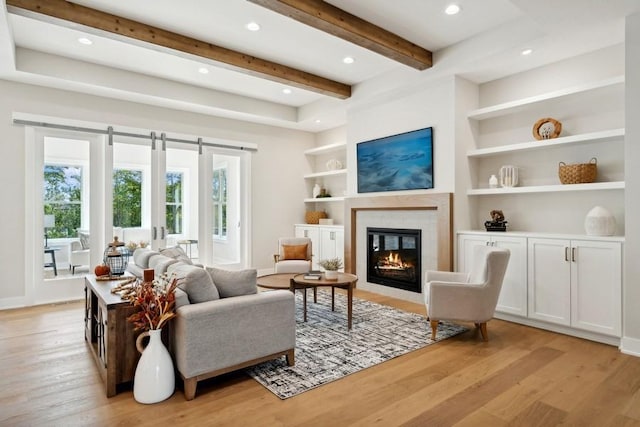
[{"x": 110, "y": 131}]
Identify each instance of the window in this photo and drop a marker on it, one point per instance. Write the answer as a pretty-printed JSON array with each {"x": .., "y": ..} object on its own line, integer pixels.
[
  {"x": 127, "y": 198},
  {"x": 63, "y": 199},
  {"x": 220, "y": 203},
  {"x": 174, "y": 202}
]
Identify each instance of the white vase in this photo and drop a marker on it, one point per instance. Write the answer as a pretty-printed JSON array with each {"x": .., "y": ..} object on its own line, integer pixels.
[
  {"x": 316, "y": 190},
  {"x": 331, "y": 274},
  {"x": 154, "y": 380},
  {"x": 493, "y": 182},
  {"x": 600, "y": 222}
]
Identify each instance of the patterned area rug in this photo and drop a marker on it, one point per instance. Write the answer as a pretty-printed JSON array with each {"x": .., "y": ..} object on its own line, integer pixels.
[{"x": 326, "y": 350}]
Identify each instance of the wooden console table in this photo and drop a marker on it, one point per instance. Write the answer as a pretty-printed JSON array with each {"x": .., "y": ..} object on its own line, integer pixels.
[{"x": 109, "y": 336}]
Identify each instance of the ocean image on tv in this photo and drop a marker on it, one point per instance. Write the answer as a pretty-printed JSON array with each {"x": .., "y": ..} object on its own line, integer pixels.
[{"x": 399, "y": 162}]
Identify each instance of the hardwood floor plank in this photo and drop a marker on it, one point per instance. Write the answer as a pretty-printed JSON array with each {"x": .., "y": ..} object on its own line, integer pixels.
[
  {"x": 474, "y": 397},
  {"x": 522, "y": 375}
]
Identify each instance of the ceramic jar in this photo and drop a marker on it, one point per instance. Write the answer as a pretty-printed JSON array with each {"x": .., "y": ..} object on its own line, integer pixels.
[
  {"x": 154, "y": 380},
  {"x": 600, "y": 222},
  {"x": 493, "y": 182}
]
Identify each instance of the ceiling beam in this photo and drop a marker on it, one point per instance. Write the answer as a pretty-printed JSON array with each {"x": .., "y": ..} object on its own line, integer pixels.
[
  {"x": 168, "y": 41},
  {"x": 330, "y": 19}
]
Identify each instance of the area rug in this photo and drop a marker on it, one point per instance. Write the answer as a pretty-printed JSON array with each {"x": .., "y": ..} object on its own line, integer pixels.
[{"x": 326, "y": 350}]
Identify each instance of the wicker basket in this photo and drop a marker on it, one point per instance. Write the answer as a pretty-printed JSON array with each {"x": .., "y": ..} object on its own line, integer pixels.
[
  {"x": 313, "y": 217},
  {"x": 579, "y": 173}
]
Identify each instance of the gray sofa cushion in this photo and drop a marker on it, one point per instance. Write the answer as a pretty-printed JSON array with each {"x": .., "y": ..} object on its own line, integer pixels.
[
  {"x": 141, "y": 257},
  {"x": 160, "y": 263},
  {"x": 234, "y": 283},
  {"x": 178, "y": 253},
  {"x": 195, "y": 281}
]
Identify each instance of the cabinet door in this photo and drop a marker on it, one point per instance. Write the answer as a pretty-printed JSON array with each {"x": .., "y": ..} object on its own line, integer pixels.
[
  {"x": 549, "y": 290},
  {"x": 466, "y": 243},
  {"x": 312, "y": 233},
  {"x": 331, "y": 243},
  {"x": 596, "y": 286},
  {"x": 513, "y": 295}
]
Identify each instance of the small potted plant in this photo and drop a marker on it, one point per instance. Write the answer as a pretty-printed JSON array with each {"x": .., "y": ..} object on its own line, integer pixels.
[{"x": 331, "y": 266}]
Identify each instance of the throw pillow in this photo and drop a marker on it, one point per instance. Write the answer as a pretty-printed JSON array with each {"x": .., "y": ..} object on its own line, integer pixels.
[
  {"x": 176, "y": 252},
  {"x": 141, "y": 257},
  {"x": 294, "y": 251},
  {"x": 84, "y": 239},
  {"x": 234, "y": 283},
  {"x": 195, "y": 281}
]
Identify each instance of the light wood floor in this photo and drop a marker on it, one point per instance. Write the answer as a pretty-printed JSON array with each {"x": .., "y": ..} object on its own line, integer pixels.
[{"x": 522, "y": 376}]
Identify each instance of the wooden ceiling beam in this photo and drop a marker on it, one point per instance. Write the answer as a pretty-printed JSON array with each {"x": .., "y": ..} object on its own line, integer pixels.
[
  {"x": 337, "y": 22},
  {"x": 176, "y": 43}
]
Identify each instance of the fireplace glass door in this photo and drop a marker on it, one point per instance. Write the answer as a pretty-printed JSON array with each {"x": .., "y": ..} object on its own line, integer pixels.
[{"x": 394, "y": 258}]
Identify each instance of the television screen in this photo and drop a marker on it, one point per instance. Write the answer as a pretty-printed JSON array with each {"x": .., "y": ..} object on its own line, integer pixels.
[{"x": 397, "y": 162}]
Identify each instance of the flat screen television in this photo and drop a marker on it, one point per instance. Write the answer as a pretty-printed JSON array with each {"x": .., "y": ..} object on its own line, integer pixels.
[{"x": 397, "y": 162}]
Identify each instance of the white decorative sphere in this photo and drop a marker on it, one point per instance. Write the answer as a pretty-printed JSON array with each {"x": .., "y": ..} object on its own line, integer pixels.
[{"x": 600, "y": 222}]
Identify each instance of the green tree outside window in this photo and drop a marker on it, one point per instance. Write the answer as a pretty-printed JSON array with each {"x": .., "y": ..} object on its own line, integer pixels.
[
  {"x": 63, "y": 199},
  {"x": 127, "y": 198}
]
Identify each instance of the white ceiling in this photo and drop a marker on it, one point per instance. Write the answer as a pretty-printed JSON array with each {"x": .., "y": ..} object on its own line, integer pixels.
[{"x": 481, "y": 43}]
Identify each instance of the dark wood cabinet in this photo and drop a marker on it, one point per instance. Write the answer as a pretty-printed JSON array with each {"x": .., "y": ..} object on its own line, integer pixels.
[{"x": 109, "y": 336}]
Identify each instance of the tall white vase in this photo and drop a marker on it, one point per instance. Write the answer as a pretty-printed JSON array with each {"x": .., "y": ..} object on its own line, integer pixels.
[{"x": 154, "y": 380}]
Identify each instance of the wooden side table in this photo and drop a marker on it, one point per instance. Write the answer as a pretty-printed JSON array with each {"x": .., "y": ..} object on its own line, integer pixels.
[{"x": 109, "y": 336}]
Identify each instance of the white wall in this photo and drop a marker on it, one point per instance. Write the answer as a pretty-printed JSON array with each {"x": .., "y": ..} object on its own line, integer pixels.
[
  {"x": 277, "y": 186},
  {"x": 432, "y": 105},
  {"x": 631, "y": 292}
]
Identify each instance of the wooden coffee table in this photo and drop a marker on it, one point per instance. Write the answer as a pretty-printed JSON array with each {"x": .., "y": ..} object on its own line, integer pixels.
[{"x": 297, "y": 281}]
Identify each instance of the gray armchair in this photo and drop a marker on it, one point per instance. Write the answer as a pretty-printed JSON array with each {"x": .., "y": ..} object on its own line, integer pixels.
[{"x": 467, "y": 297}]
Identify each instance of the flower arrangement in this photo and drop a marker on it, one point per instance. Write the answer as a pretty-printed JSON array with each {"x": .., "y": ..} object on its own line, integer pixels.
[
  {"x": 331, "y": 264},
  {"x": 155, "y": 300}
]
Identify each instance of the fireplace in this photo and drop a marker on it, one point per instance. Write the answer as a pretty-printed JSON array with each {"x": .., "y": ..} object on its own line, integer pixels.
[{"x": 394, "y": 258}]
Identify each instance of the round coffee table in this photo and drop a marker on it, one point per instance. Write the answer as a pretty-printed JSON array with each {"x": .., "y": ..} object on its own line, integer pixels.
[{"x": 294, "y": 281}]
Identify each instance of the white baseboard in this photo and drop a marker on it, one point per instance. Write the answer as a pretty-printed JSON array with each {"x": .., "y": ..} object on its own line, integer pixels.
[
  {"x": 15, "y": 302},
  {"x": 630, "y": 346}
]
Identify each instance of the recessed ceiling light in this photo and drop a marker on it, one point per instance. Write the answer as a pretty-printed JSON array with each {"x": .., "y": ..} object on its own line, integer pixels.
[
  {"x": 203, "y": 70},
  {"x": 452, "y": 9},
  {"x": 526, "y": 52},
  {"x": 84, "y": 40},
  {"x": 348, "y": 60},
  {"x": 253, "y": 26},
  {"x": 286, "y": 91},
  {"x": 317, "y": 120}
]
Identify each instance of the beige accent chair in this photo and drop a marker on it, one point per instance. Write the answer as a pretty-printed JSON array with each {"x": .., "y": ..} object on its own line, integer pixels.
[
  {"x": 283, "y": 261},
  {"x": 468, "y": 297},
  {"x": 79, "y": 252}
]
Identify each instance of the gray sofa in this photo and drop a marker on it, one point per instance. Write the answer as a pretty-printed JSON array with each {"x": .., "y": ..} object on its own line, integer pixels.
[{"x": 223, "y": 323}]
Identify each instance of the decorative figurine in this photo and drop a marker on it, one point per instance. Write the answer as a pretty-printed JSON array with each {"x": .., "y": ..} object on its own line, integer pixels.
[{"x": 497, "y": 222}]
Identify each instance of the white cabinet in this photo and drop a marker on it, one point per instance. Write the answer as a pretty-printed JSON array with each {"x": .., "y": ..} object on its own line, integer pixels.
[
  {"x": 576, "y": 283},
  {"x": 327, "y": 241},
  {"x": 513, "y": 295},
  {"x": 334, "y": 180}
]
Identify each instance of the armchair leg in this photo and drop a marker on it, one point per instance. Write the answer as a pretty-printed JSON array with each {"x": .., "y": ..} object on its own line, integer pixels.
[
  {"x": 483, "y": 330},
  {"x": 434, "y": 328},
  {"x": 190, "y": 388}
]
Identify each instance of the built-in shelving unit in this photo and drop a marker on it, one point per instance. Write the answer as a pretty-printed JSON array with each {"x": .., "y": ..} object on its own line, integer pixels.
[
  {"x": 517, "y": 105},
  {"x": 601, "y": 136},
  {"x": 588, "y": 132},
  {"x": 332, "y": 176},
  {"x": 616, "y": 185}
]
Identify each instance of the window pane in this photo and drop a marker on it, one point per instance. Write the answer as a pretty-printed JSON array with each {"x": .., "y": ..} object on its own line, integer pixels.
[
  {"x": 174, "y": 219},
  {"x": 63, "y": 199},
  {"x": 174, "y": 187},
  {"x": 127, "y": 198}
]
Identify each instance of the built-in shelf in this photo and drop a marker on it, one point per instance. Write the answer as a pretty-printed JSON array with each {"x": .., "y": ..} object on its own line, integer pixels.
[
  {"x": 514, "y": 106},
  {"x": 601, "y": 136},
  {"x": 324, "y": 149},
  {"x": 326, "y": 173},
  {"x": 324, "y": 199},
  {"x": 614, "y": 185}
]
